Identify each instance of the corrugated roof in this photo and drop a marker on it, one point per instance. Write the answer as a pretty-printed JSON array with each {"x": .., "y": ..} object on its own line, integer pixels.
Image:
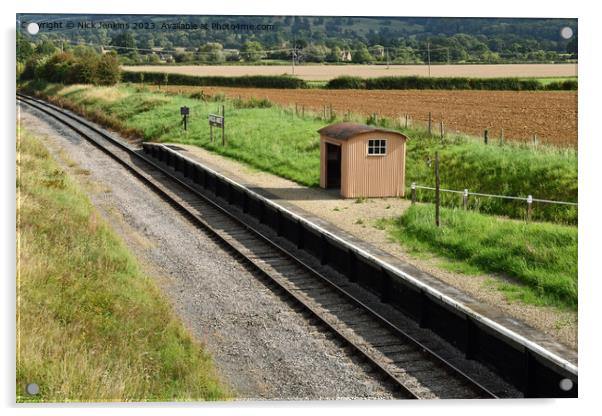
[{"x": 344, "y": 131}]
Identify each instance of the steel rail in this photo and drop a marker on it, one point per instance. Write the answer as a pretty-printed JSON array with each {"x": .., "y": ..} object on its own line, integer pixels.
[{"x": 43, "y": 106}]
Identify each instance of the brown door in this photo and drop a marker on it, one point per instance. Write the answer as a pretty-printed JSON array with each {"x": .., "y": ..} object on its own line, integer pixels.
[{"x": 333, "y": 166}]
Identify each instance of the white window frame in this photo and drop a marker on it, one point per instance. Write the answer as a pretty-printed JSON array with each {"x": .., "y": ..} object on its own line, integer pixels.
[{"x": 380, "y": 147}]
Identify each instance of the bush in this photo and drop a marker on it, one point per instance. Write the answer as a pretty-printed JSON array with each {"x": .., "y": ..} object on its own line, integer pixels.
[
  {"x": 346, "y": 82},
  {"x": 66, "y": 68},
  {"x": 568, "y": 85},
  {"x": 446, "y": 83},
  {"x": 108, "y": 71},
  {"x": 256, "y": 81}
]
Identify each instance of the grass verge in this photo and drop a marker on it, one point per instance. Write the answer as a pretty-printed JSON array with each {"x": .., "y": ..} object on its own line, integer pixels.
[
  {"x": 540, "y": 258},
  {"x": 90, "y": 325}
]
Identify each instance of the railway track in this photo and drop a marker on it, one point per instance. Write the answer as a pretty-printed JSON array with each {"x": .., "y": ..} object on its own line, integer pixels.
[{"x": 409, "y": 367}]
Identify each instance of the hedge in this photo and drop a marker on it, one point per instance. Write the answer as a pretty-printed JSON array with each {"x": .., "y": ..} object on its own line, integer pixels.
[
  {"x": 255, "y": 81},
  {"x": 446, "y": 83}
]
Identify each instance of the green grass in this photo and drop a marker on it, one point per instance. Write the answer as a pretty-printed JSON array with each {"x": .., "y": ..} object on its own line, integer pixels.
[
  {"x": 548, "y": 80},
  {"x": 90, "y": 325},
  {"x": 539, "y": 259},
  {"x": 273, "y": 139}
]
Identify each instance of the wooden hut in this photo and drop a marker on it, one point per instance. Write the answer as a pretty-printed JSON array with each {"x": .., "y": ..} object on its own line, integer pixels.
[{"x": 362, "y": 161}]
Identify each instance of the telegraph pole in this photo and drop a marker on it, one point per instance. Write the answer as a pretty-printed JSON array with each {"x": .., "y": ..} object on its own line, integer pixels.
[
  {"x": 293, "y": 53},
  {"x": 428, "y": 52}
]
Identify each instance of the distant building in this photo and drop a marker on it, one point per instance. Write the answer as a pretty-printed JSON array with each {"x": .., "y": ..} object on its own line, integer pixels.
[{"x": 345, "y": 56}]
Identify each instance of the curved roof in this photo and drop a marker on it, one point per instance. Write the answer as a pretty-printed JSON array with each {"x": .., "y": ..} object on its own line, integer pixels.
[{"x": 344, "y": 131}]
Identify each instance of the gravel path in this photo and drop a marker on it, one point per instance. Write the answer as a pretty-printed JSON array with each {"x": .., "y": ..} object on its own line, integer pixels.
[{"x": 262, "y": 347}]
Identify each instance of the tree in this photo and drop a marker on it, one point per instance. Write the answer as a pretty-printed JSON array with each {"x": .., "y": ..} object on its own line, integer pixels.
[
  {"x": 124, "y": 41},
  {"x": 108, "y": 71},
  {"x": 572, "y": 47},
  {"x": 315, "y": 53},
  {"x": 252, "y": 51},
  {"x": 24, "y": 48},
  {"x": 212, "y": 52},
  {"x": 334, "y": 55},
  {"x": 46, "y": 47},
  {"x": 361, "y": 55}
]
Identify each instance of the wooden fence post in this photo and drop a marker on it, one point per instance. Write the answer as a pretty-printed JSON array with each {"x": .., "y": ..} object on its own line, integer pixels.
[
  {"x": 406, "y": 120},
  {"x": 437, "y": 191},
  {"x": 223, "y": 125},
  {"x": 486, "y": 136},
  {"x": 441, "y": 128},
  {"x": 430, "y": 124},
  {"x": 502, "y": 136},
  {"x": 413, "y": 193},
  {"x": 465, "y": 199},
  {"x": 529, "y": 207}
]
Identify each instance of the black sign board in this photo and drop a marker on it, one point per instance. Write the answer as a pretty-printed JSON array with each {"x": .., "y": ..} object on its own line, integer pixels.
[{"x": 184, "y": 111}]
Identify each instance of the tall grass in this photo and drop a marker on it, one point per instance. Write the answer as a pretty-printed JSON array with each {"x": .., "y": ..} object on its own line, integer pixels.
[
  {"x": 540, "y": 258},
  {"x": 275, "y": 139},
  {"x": 90, "y": 325}
]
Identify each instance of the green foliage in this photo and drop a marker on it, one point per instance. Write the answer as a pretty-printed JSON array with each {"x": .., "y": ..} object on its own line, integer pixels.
[
  {"x": 256, "y": 81},
  {"x": 514, "y": 170},
  {"x": 24, "y": 48},
  {"x": 346, "y": 82},
  {"x": 67, "y": 68},
  {"x": 542, "y": 258},
  {"x": 252, "y": 51},
  {"x": 107, "y": 70},
  {"x": 446, "y": 83}
]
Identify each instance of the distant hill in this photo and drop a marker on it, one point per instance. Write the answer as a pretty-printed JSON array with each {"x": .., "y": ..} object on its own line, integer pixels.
[{"x": 319, "y": 39}]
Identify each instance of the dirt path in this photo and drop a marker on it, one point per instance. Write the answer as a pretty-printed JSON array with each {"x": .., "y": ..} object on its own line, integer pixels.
[
  {"x": 357, "y": 217},
  {"x": 552, "y": 116}
]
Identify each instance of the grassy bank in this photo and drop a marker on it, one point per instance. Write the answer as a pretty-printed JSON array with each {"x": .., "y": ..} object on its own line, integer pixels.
[
  {"x": 539, "y": 259},
  {"x": 274, "y": 139},
  {"x": 90, "y": 325}
]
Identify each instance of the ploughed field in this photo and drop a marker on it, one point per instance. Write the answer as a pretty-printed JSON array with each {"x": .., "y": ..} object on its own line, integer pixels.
[
  {"x": 551, "y": 116},
  {"x": 326, "y": 72}
]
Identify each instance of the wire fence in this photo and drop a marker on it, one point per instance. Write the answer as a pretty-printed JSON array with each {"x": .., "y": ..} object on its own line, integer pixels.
[{"x": 466, "y": 193}]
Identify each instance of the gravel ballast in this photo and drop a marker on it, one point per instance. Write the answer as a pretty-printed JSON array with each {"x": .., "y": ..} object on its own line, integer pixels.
[{"x": 263, "y": 348}]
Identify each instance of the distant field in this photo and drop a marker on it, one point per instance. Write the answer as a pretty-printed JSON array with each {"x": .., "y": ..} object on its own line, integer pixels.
[
  {"x": 551, "y": 115},
  {"x": 326, "y": 72}
]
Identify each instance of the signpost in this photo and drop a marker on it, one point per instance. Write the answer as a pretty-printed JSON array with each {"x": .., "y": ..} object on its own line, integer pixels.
[
  {"x": 215, "y": 120},
  {"x": 185, "y": 111}
]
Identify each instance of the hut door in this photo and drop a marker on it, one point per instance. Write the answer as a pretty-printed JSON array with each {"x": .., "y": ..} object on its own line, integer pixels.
[{"x": 333, "y": 166}]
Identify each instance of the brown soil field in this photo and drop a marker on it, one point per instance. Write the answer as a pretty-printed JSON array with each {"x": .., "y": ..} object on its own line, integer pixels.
[
  {"x": 326, "y": 72},
  {"x": 552, "y": 116}
]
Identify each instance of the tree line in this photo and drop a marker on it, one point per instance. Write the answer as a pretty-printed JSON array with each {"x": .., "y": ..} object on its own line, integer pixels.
[{"x": 337, "y": 39}]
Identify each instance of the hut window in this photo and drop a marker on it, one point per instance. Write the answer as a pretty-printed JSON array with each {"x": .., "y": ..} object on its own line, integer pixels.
[{"x": 377, "y": 147}]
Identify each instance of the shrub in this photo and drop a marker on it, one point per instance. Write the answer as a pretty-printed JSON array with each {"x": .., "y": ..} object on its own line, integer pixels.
[
  {"x": 446, "y": 83},
  {"x": 346, "y": 82},
  {"x": 256, "y": 81},
  {"x": 108, "y": 71},
  {"x": 66, "y": 68}
]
